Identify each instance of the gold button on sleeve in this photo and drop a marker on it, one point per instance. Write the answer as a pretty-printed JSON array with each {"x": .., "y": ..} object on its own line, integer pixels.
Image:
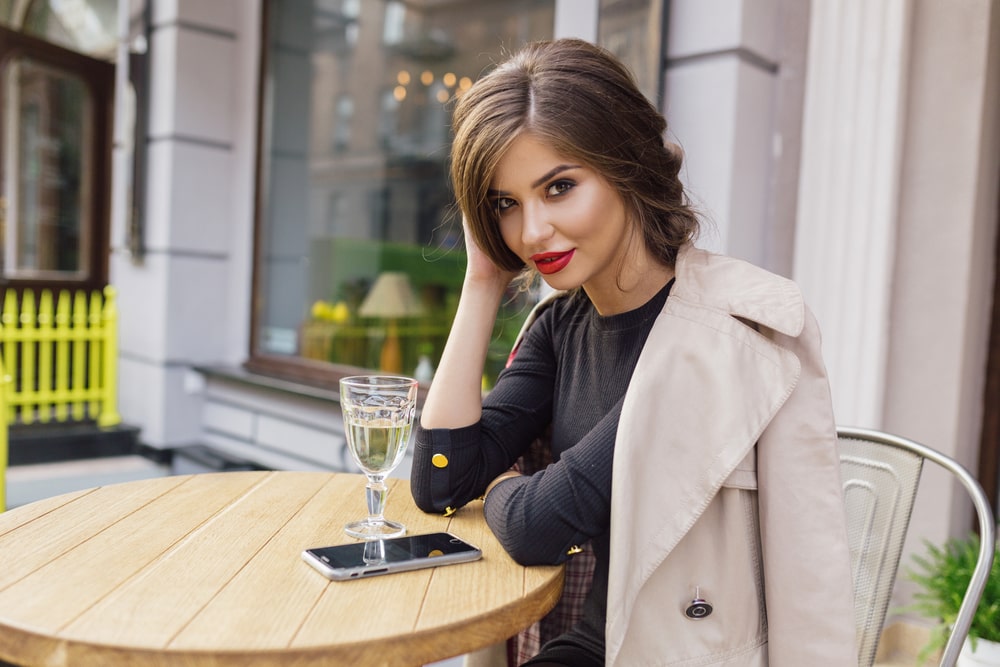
[
  {"x": 573, "y": 550},
  {"x": 448, "y": 511},
  {"x": 439, "y": 461}
]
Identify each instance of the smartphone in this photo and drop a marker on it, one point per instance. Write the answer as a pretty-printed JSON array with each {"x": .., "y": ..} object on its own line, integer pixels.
[{"x": 398, "y": 554}]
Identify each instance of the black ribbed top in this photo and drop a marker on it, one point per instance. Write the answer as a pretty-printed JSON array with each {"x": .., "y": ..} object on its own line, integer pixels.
[{"x": 571, "y": 372}]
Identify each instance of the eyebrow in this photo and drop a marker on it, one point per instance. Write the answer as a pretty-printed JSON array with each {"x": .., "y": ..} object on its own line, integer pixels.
[
  {"x": 552, "y": 172},
  {"x": 539, "y": 181}
]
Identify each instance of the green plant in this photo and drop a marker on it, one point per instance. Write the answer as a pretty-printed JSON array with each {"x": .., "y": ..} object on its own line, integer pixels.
[{"x": 942, "y": 575}]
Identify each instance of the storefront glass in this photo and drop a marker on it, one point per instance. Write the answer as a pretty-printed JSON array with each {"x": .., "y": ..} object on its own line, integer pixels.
[
  {"x": 44, "y": 210},
  {"x": 359, "y": 261}
]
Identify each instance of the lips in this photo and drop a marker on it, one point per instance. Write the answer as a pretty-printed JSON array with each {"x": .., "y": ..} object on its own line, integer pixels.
[{"x": 552, "y": 262}]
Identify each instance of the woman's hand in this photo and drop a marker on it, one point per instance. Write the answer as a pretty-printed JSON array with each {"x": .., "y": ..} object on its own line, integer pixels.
[
  {"x": 480, "y": 268},
  {"x": 455, "y": 395}
]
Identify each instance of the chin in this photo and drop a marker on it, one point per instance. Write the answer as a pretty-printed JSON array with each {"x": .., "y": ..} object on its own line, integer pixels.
[{"x": 560, "y": 282}]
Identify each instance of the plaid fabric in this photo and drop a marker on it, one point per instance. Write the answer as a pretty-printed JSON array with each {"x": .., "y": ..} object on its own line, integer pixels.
[
  {"x": 579, "y": 576},
  {"x": 577, "y": 580}
]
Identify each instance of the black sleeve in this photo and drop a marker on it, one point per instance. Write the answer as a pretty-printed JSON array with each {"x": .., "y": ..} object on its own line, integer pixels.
[
  {"x": 453, "y": 466},
  {"x": 539, "y": 518}
]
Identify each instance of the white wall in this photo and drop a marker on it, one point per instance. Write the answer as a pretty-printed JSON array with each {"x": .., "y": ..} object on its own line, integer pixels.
[
  {"x": 944, "y": 257},
  {"x": 720, "y": 105},
  {"x": 186, "y": 300},
  {"x": 897, "y": 224}
]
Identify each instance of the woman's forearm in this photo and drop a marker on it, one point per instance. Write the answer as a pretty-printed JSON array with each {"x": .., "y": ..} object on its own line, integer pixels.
[{"x": 455, "y": 396}]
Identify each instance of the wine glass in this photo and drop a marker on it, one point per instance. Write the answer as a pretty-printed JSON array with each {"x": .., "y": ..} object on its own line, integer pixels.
[{"x": 378, "y": 417}]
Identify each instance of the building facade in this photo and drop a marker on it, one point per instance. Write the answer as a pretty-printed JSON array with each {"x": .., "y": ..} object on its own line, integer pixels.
[{"x": 292, "y": 153}]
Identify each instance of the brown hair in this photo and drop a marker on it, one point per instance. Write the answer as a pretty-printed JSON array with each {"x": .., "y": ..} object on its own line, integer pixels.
[{"x": 585, "y": 104}]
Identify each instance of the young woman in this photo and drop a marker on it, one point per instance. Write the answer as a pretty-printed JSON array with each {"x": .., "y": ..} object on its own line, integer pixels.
[{"x": 682, "y": 394}]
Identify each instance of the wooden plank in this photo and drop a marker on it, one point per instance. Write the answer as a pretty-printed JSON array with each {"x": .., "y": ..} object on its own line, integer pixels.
[
  {"x": 145, "y": 611},
  {"x": 19, "y": 516},
  {"x": 266, "y": 601},
  {"x": 56, "y": 593},
  {"x": 209, "y": 574},
  {"x": 384, "y": 605},
  {"x": 32, "y": 545},
  {"x": 496, "y": 583}
]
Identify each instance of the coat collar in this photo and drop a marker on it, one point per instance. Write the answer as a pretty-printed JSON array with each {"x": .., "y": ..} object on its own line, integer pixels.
[{"x": 739, "y": 288}]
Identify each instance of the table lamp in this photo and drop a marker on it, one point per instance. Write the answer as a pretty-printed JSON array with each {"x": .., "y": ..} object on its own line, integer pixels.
[{"x": 390, "y": 298}]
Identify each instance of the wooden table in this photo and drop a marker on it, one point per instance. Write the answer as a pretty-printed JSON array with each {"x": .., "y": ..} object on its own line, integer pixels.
[{"x": 206, "y": 570}]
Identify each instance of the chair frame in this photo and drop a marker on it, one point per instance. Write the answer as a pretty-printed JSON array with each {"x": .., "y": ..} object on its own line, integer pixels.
[{"x": 987, "y": 528}]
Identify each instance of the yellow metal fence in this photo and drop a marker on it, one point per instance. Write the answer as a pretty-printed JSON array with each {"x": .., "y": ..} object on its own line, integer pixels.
[
  {"x": 59, "y": 361},
  {"x": 61, "y": 355}
]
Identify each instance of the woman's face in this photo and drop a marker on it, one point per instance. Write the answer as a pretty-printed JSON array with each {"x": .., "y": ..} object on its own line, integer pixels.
[{"x": 561, "y": 217}]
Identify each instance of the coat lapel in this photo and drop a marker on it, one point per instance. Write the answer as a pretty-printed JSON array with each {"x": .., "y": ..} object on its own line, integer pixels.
[{"x": 705, "y": 387}]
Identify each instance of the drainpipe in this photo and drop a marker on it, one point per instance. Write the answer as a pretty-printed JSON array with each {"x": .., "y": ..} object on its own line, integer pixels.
[
  {"x": 121, "y": 149},
  {"x": 130, "y": 125}
]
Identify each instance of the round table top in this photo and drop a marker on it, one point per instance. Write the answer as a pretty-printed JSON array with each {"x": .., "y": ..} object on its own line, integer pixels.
[{"x": 206, "y": 570}]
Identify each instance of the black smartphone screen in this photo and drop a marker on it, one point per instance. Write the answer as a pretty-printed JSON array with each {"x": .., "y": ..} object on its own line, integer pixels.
[{"x": 395, "y": 550}]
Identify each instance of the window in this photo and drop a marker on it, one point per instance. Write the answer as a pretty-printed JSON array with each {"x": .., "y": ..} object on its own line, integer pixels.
[
  {"x": 634, "y": 31},
  {"x": 55, "y": 116},
  {"x": 47, "y": 112},
  {"x": 358, "y": 262},
  {"x": 342, "y": 129}
]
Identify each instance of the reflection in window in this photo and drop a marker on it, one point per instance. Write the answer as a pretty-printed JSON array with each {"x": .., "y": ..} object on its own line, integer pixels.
[
  {"x": 354, "y": 185},
  {"x": 342, "y": 129},
  {"x": 633, "y": 31},
  {"x": 47, "y": 112}
]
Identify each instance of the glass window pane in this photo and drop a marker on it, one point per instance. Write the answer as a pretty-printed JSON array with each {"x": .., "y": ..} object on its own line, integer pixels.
[
  {"x": 359, "y": 261},
  {"x": 633, "y": 30},
  {"x": 46, "y": 202}
]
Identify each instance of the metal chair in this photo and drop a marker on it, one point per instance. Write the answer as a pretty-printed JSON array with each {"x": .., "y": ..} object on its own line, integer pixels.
[{"x": 880, "y": 474}]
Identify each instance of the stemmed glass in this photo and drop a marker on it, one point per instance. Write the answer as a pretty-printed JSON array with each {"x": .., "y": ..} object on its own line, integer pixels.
[{"x": 378, "y": 417}]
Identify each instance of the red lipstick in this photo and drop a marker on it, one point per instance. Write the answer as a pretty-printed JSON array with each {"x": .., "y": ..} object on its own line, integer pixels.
[{"x": 552, "y": 262}]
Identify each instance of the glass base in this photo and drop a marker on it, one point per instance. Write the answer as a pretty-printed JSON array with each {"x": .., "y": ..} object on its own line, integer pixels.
[{"x": 374, "y": 530}]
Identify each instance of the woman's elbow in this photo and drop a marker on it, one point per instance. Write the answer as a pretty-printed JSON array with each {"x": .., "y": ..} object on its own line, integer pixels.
[
  {"x": 422, "y": 497},
  {"x": 424, "y": 503},
  {"x": 524, "y": 551}
]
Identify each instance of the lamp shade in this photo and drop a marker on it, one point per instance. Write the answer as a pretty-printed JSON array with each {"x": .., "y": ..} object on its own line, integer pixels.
[{"x": 390, "y": 297}]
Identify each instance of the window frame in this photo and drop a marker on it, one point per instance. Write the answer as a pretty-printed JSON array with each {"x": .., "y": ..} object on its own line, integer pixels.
[
  {"x": 293, "y": 368},
  {"x": 98, "y": 76},
  {"x": 299, "y": 369}
]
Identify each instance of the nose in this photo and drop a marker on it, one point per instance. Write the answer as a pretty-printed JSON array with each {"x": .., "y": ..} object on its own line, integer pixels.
[{"x": 536, "y": 227}]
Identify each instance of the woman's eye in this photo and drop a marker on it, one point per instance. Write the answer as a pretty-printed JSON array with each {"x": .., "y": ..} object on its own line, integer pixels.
[
  {"x": 558, "y": 188},
  {"x": 503, "y": 203}
]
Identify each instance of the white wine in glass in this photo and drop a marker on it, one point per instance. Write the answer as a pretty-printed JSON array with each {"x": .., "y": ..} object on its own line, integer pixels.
[{"x": 378, "y": 417}]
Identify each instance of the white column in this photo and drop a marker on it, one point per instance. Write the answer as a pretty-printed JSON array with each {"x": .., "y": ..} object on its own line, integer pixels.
[
  {"x": 722, "y": 65},
  {"x": 849, "y": 188},
  {"x": 576, "y": 18},
  {"x": 176, "y": 306}
]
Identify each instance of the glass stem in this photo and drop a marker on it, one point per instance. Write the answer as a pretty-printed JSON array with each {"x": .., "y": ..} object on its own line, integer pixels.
[{"x": 375, "y": 493}]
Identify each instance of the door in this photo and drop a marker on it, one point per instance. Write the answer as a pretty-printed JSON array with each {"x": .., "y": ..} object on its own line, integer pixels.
[{"x": 55, "y": 150}]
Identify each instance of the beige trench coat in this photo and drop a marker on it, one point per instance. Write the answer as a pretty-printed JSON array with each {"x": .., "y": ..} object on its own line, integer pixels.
[{"x": 726, "y": 483}]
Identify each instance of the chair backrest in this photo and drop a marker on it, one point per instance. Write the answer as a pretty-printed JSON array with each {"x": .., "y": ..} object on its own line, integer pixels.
[{"x": 880, "y": 473}]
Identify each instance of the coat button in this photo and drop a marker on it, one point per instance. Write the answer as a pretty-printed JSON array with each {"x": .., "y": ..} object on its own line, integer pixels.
[
  {"x": 698, "y": 609},
  {"x": 439, "y": 461}
]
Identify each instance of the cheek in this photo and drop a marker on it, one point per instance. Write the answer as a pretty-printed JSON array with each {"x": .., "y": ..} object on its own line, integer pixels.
[
  {"x": 510, "y": 231},
  {"x": 607, "y": 212}
]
